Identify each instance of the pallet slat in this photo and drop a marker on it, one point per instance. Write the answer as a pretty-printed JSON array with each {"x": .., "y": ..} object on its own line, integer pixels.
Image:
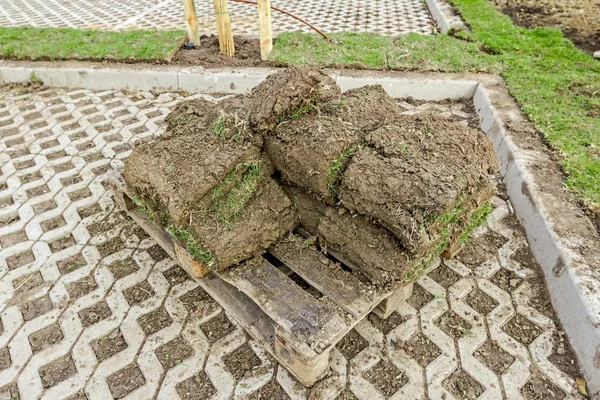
[
  {"x": 309, "y": 323},
  {"x": 344, "y": 289}
]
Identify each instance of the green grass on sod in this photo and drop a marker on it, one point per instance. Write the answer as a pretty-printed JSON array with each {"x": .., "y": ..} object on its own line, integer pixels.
[
  {"x": 556, "y": 84},
  {"x": 74, "y": 44}
]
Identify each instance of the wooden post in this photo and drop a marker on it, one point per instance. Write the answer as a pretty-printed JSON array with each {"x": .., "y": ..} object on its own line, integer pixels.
[
  {"x": 224, "y": 28},
  {"x": 266, "y": 37},
  {"x": 192, "y": 21}
]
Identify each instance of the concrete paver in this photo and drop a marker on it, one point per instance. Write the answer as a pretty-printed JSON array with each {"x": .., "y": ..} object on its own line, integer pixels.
[
  {"x": 391, "y": 17},
  {"x": 92, "y": 307}
]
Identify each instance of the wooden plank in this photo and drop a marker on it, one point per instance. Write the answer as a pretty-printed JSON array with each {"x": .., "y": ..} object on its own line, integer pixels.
[
  {"x": 340, "y": 286},
  {"x": 308, "y": 325},
  {"x": 266, "y": 35},
  {"x": 308, "y": 372},
  {"x": 303, "y": 362}
]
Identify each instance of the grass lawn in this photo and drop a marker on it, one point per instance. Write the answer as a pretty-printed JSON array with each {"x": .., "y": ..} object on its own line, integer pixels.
[
  {"x": 556, "y": 84},
  {"x": 62, "y": 43}
]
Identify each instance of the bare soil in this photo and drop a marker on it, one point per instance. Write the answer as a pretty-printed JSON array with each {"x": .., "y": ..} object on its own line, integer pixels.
[
  {"x": 247, "y": 54},
  {"x": 369, "y": 246},
  {"x": 242, "y": 362},
  {"x": 198, "y": 387},
  {"x": 352, "y": 344},
  {"x": 386, "y": 377},
  {"x": 578, "y": 19},
  {"x": 310, "y": 210}
]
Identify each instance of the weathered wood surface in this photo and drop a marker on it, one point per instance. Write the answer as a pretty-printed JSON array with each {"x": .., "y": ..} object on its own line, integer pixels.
[
  {"x": 266, "y": 35},
  {"x": 340, "y": 286},
  {"x": 310, "y": 325}
]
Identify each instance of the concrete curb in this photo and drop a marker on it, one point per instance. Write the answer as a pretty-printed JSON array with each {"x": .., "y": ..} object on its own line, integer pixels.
[
  {"x": 444, "y": 16},
  {"x": 567, "y": 255}
]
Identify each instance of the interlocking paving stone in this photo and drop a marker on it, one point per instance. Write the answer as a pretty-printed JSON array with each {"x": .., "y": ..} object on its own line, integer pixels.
[
  {"x": 95, "y": 309},
  {"x": 389, "y": 17}
]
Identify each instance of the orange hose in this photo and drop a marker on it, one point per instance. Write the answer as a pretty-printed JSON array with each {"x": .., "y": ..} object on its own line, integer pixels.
[{"x": 286, "y": 13}]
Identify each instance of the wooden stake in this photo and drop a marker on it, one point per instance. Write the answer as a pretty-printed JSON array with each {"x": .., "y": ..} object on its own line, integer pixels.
[
  {"x": 266, "y": 36},
  {"x": 192, "y": 21},
  {"x": 224, "y": 28}
]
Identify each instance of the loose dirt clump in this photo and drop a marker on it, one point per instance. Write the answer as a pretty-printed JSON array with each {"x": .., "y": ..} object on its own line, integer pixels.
[
  {"x": 385, "y": 191},
  {"x": 292, "y": 92},
  {"x": 366, "y": 108}
]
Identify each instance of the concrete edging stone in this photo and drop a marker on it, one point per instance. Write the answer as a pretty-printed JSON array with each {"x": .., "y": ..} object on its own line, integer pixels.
[{"x": 444, "y": 16}]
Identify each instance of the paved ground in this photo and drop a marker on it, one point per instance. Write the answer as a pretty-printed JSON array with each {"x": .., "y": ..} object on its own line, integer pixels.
[
  {"x": 390, "y": 17},
  {"x": 90, "y": 307}
]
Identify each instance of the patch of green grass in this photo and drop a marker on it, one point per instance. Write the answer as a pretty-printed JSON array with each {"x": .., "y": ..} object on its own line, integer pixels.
[
  {"x": 337, "y": 167},
  {"x": 373, "y": 51},
  {"x": 556, "y": 84},
  {"x": 231, "y": 196},
  {"x": 193, "y": 244},
  {"x": 477, "y": 219},
  {"x": 142, "y": 207},
  {"x": 63, "y": 43},
  {"x": 217, "y": 127},
  {"x": 187, "y": 235},
  {"x": 359, "y": 49}
]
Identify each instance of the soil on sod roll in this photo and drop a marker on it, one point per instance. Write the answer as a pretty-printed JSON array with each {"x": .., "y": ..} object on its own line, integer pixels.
[
  {"x": 366, "y": 108},
  {"x": 176, "y": 172},
  {"x": 369, "y": 246},
  {"x": 267, "y": 216},
  {"x": 190, "y": 116},
  {"x": 229, "y": 180},
  {"x": 312, "y": 152},
  {"x": 288, "y": 94},
  {"x": 227, "y": 119},
  {"x": 415, "y": 174},
  {"x": 310, "y": 209}
]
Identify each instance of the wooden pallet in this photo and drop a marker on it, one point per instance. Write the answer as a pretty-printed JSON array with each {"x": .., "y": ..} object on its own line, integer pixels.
[{"x": 298, "y": 325}]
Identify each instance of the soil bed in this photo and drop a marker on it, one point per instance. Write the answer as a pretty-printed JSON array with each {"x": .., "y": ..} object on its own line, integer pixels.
[
  {"x": 247, "y": 54},
  {"x": 578, "y": 19}
]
